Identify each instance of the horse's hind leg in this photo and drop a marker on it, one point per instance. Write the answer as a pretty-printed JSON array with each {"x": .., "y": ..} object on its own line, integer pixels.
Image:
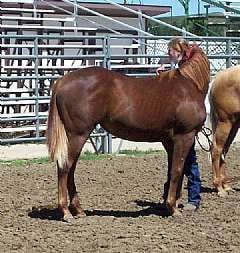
[
  {"x": 62, "y": 191},
  {"x": 230, "y": 139},
  {"x": 76, "y": 148},
  {"x": 66, "y": 182},
  {"x": 219, "y": 141}
]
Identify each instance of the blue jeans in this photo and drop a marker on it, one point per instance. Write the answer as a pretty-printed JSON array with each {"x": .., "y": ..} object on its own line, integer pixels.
[{"x": 191, "y": 171}]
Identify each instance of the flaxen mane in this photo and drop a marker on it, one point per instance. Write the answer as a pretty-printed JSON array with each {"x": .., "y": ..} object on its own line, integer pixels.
[{"x": 197, "y": 68}]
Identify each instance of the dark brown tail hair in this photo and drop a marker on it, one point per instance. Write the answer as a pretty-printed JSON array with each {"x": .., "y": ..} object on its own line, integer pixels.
[{"x": 57, "y": 139}]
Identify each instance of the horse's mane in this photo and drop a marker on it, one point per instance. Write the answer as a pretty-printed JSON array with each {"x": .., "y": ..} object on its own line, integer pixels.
[{"x": 197, "y": 68}]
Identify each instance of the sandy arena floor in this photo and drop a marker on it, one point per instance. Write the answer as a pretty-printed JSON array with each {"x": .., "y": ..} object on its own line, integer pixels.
[{"x": 120, "y": 196}]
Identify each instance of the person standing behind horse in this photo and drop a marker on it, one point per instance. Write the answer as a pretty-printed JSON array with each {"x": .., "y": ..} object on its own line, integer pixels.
[{"x": 179, "y": 51}]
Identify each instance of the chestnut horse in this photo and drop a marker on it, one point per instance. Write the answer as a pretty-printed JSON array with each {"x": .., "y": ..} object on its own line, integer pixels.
[
  {"x": 168, "y": 108},
  {"x": 225, "y": 118}
]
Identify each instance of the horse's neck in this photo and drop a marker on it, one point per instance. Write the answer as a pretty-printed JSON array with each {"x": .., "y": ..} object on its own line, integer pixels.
[{"x": 197, "y": 69}]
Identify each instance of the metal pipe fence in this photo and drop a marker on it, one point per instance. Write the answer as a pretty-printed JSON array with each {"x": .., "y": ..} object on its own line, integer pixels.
[{"x": 30, "y": 65}]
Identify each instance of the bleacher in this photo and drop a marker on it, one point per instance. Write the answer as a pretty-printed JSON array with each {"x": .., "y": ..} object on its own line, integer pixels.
[
  {"x": 25, "y": 78},
  {"x": 41, "y": 41},
  {"x": 230, "y": 18}
]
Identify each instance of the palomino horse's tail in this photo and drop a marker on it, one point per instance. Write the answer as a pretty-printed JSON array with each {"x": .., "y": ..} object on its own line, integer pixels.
[
  {"x": 57, "y": 140},
  {"x": 212, "y": 115}
]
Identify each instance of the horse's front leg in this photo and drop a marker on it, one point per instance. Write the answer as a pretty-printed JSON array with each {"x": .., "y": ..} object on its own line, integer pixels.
[
  {"x": 182, "y": 145},
  {"x": 168, "y": 145}
]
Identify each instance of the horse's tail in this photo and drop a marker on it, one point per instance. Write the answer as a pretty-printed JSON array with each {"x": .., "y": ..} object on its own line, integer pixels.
[
  {"x": 57, "y": 139},
  {"x": 212, "y": 116}
]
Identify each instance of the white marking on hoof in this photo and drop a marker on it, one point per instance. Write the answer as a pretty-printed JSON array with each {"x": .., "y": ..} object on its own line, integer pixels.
[
  {"x": 222, "y": 194},
  {"x": 68, "y": 218}
]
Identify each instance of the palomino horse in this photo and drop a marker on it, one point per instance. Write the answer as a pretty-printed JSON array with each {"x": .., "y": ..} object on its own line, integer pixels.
[
  {"x": 168, "y": 108},
  {"x": 225, "y": 115}
]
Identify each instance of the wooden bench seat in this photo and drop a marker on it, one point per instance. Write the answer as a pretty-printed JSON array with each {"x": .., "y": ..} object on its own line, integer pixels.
[
  {"x": 46, "y": 27},
  {"x": 22, "y": 129},
  {"x": 9, "y": 10},
  {"x": 21, "y": 115},
  {"x": 24, "y": 102},
  {"x": 42, "y": 67},
  {"x": 16, "y": 90},
  {"x": 67, "y": 19}
]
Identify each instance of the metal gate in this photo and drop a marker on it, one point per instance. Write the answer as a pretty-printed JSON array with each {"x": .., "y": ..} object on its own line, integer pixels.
[{"x": 30, "y": 65}]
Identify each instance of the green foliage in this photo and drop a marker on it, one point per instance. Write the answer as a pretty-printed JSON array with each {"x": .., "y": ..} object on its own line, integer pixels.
[
  {"x": 196, "y": 25},
  {"x": 137, "y": 152},
  {"x": 185, "y": 4},
  {"x": 85, "y": 156},
  {"x": 161, "y": 30},
  {"x": 24, "y": 162}
]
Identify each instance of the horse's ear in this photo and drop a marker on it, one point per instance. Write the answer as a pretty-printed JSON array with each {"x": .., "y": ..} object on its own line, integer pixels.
[{"x": 197, "y": 68}]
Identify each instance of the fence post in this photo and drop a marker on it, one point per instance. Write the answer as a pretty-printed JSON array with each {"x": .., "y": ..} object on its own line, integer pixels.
[
  {"x": 37, "y": 122},
  {"x": 107, "y": 140},
  {"x": 229, "y": 52}
]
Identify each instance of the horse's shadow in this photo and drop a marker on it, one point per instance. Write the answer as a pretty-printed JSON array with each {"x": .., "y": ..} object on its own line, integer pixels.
[
  {"x": 205, "y": 189},
  {"x": 213, "y": 190},
  {"x": 46, "y": 213},
  {"x": 149, "y": 208}
]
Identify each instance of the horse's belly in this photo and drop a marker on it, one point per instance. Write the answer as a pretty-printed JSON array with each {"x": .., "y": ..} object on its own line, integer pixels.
[{"x": 134, "y": 134}]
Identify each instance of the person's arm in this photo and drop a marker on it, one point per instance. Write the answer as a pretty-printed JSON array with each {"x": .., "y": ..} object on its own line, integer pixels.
[
  {"x": 160, "y": 69},
  {"x": 163, "y": 61}
]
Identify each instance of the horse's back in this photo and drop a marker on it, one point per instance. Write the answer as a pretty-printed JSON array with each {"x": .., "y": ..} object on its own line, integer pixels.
[
  {"x": 227, "y": 78},
  {"x": 96, "y": 95},
  {"x": 225, "y": 92}
]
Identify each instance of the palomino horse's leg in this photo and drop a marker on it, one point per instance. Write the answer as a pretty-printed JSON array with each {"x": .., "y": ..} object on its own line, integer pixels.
[
  {"x": 66, "y": 179},
  {"x": 230, "y": 139},
  {"x": 182, "y": 145},
  {"x": 219, "y": 141}
]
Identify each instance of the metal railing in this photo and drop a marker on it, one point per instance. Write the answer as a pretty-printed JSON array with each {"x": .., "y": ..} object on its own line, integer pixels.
[{"x": 30, "y": 64}]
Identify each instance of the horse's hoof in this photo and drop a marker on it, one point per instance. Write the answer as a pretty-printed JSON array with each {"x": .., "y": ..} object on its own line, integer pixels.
[
  {"x": 77, "y": 212},
  {"x": 176, "y": 212},
  {"x": 68, "y": 218},
  {"x": 228, "y": 188},
  {"x": 172, "y": 211},
  {"x": 79, "y": 215},
  {"x": 222, "y": 194}
]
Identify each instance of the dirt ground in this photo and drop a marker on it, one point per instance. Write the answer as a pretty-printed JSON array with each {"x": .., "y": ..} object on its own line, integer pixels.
[{"x": 121, "y": 197}]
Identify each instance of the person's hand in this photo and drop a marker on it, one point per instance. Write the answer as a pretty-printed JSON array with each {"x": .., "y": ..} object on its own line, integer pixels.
[{"x": 160, "y": 69}]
